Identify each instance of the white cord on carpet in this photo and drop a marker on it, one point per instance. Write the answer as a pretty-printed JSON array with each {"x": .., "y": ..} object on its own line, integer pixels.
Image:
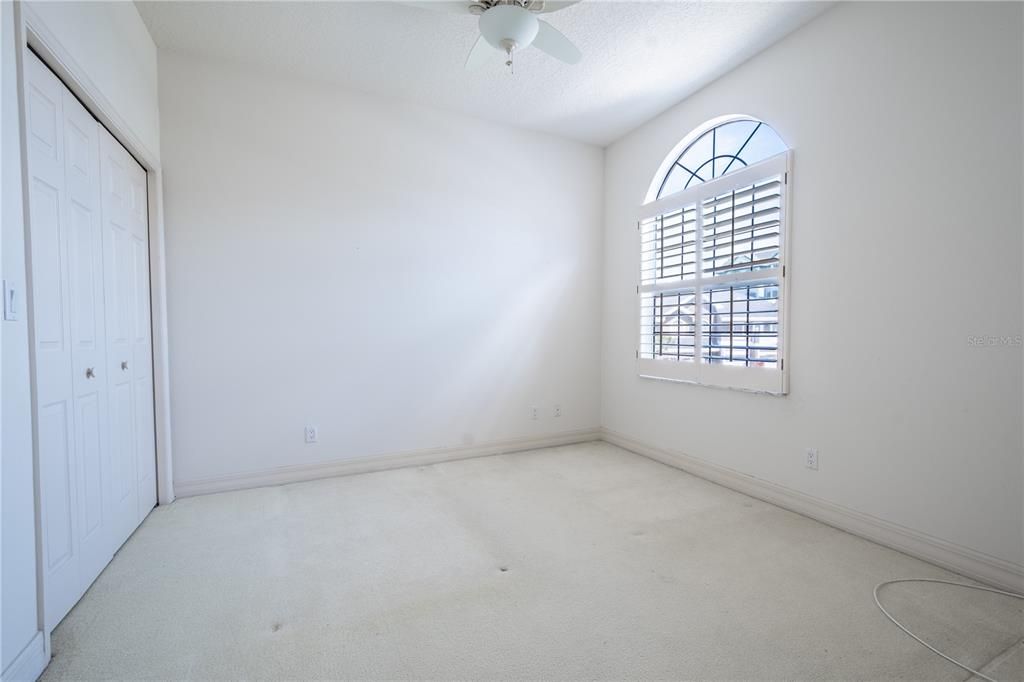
[{"x": 921, "y": 641}]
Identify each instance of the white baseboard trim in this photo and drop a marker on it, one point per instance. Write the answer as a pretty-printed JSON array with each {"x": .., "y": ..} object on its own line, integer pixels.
[
  {"x": 29, "y": 664},
  {"x": 957, "y": 558},
  {"x": 368, "y": 464}
]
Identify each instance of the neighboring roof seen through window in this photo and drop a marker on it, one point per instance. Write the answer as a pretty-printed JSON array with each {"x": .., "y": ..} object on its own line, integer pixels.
[{"x": 725, "y": 148}]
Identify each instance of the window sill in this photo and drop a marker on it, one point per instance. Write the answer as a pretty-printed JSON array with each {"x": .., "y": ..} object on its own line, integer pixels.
[{"x": 762, "y": 380}]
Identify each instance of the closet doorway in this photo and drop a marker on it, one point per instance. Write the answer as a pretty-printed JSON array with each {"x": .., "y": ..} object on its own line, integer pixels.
[{"x": 92, "y": 360}]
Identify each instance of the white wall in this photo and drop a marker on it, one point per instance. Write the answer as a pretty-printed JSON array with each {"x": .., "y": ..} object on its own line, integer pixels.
[
  {"x": 107, "y": 44},
  {"x": 401, "y": 278},
  {"x": 110, "y": 43},
  {"x": 915, "y": 109},
  {"x": 18, "y": 568}
]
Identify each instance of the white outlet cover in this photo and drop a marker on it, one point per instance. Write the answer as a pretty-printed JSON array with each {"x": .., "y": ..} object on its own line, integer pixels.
[
  {"x": 312, "y": 435},
  {"x": 811, "y": 461}
]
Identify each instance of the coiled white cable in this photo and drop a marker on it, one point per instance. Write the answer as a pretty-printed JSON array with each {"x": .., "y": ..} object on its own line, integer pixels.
[{"x": 900, "y": 625}]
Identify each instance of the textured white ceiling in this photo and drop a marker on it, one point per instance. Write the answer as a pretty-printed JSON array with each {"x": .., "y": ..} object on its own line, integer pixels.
[{"x": 639, "y": 58}]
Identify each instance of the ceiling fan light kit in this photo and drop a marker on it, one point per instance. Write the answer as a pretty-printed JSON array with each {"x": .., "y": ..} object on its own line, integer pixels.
[{"x": 510, "y": 26}]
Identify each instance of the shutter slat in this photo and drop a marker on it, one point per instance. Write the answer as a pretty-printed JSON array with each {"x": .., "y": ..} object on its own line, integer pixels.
[
  {"x": 741, "y": 232},
  {"x": 744, "y": 198},
  {"x": 668, "y": 246}
]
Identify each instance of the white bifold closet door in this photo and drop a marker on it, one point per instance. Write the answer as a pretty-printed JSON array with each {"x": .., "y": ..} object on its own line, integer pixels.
[
  {"x": 89, "y": 271},
  {"x": 129, "y": 364}
]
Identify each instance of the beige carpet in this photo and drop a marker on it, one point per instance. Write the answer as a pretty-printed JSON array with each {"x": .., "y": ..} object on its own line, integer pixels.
[{"x": 578, "y": 562}]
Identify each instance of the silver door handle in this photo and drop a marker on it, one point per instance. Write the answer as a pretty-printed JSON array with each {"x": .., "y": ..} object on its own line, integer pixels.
[
  {"x": 124, "y": 365},
  {"x": 89, "y": 374}
]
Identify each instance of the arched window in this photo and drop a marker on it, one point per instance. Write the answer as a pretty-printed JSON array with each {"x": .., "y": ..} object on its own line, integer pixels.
[
  {"x": 712, "y": 259},
  {"x": 716, "y": 150}
]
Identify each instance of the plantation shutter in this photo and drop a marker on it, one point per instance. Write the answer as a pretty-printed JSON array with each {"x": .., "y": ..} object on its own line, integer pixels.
[{"x": 712, "y": 265}]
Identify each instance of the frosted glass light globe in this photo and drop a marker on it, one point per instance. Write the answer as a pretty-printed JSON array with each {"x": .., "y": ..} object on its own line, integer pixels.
[{"x": 504, "y": 23}]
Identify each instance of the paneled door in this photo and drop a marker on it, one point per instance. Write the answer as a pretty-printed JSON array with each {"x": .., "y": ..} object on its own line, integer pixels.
[
  {"x": 129, "y": 355},
  {"x": 141, "y": 364},
  {"x": 92, "y": 358},
  {"x": 68, "y": 338},
  {"x": 88, "y": 336}
]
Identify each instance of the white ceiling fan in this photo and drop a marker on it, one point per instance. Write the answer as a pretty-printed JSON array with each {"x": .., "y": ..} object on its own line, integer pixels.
[{"x": 511, "y": 25}]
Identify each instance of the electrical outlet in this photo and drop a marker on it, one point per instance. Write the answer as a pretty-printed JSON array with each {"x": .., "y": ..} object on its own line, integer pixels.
[
  {"x": 558, "y": 411},
  {"x": 535, "y": 413},
  {"x": 312, "y": 435},
  {"x": 811, "y": 461}
]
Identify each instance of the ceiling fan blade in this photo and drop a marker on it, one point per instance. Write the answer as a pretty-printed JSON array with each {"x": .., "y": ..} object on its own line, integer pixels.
[
  {"x": 479, "y": 54},
  {"x": 550, "y": 40},
  {"x": 447, "y": 6},
  {"x": 548, "y": 6}
]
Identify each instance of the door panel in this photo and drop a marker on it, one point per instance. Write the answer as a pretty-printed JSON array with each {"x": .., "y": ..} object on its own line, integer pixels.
[
  {"x": 85, "y": 265},
  {"x": 56, "y": 466},
  {"x": 84, "y": 278},
  {"x": 145, "y": 446},
  {"x": 89, "y": 423},
  {"x": 122, "y": 421},
  {"x": 140, "y": 313},
  {"x": 122, "y": 276},
  {"x": 47, "y": 257},
  {"x": 125, "y": 497},
  {"x": 141, "y": 366},
  {"x": 43, "y": 102},
  {"x": 51, "y": 340},
  {"x": 142, "y": 354}
]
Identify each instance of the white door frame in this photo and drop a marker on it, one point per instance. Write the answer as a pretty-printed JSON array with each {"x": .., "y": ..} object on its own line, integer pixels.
[{"x": 36, "y": 35}]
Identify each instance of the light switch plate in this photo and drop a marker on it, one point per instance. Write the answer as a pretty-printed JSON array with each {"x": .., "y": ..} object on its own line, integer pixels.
[{"x": 11, "y": 303}]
